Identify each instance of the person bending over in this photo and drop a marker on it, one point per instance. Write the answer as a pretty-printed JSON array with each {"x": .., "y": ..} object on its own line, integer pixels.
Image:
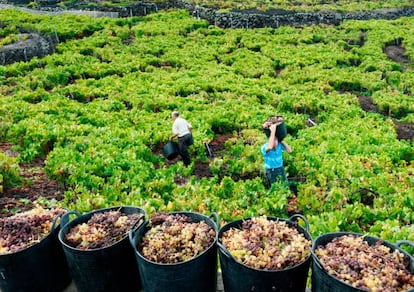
[{"x": 182, "y": 130}]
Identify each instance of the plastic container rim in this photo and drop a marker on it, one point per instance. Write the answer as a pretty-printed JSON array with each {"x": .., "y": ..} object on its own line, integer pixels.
[
  {"x": 290, "y": 222},
  {"x": 145, "y": 225},
  {"x": 54, "y": 228},
  {"x": 342, "y": 233},
  {"x": 83, "y": 218}
]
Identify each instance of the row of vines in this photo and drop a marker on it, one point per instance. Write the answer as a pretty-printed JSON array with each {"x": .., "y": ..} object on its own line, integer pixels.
[{"x": 98, "y": 110}]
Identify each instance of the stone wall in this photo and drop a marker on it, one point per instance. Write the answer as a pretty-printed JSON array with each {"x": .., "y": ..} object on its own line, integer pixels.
[
  {"x": 258, "y": 19},
  {"x": 274, "y": 19},
  {"x": 138, "y": 9},
  {"x": 242, "y": 18},
  {"x": 41, "y": 45},
  {"x": 29, "y": 46}
]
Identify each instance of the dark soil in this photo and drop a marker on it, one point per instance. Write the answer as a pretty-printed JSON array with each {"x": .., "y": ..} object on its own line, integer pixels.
[
  {"x": 405, "y": 131},
  {"x": 396, "y": 53},
  {"x": 21, "y": 198},
  {"x": 201, "y": 168}
]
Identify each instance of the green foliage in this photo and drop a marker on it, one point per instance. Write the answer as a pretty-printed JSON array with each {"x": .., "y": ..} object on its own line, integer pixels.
[
  {"x": 98, "y": 110},
  {"x": 9, "y": 172}
]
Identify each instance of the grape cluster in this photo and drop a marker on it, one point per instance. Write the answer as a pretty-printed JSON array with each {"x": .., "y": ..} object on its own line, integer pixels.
[
  {"x": 25, "y": 229},
  {"x": 174, "y": 238},
  {"x": 266, "y": 244},
  {"x": 270, "y": 121},
  {"x": 101, "y": 230},
  {"x": 369, "y": 267}
]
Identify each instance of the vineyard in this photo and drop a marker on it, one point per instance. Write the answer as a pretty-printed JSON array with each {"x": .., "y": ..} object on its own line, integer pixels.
[{"x": 89, "y": 121}]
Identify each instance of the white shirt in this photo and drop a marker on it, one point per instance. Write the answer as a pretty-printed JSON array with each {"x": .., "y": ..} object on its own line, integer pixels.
[{"x": 181, "y": 127}]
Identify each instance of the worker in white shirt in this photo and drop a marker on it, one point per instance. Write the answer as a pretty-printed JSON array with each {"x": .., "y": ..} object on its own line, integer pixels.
[{"x": 182, "y": 129}]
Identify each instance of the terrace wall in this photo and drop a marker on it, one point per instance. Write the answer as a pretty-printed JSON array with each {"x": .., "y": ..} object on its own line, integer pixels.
[
  {"x": 276, "y": 18},
  {"x": 30, "y": 45},
  {"x": 258, "y": 19}
]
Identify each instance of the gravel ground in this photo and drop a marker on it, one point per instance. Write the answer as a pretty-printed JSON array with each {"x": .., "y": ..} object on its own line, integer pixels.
[
  {"x": 220, "y": 288},
  {"x": 72, "y": 287}
]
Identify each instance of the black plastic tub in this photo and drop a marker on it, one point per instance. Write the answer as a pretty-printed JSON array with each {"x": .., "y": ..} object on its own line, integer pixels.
[
  {"x": 239, "y": 277},
  {"x": 170, "y": 150},
  {"x": 111, "y": 268},
  {"x": 322, "y": 281},
  {"x": 281, "y": 132},
  {"x": 197, "y": 274},
  {"x": 41, "y": 267}
]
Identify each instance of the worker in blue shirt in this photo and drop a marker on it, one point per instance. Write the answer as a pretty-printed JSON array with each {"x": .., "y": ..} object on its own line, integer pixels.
[{"x": 272, "y": 153}]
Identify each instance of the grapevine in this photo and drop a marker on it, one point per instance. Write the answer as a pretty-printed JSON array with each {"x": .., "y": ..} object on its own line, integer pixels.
[
  {"x": 101, "y": 230},
  {"x": 373, "y": 267},
  {"x": 266, "y": 244},
  {"x": 174, "y": 238},
  {"x": 25, "y": 229}
]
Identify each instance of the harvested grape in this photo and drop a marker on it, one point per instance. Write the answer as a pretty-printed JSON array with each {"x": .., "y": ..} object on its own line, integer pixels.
[
  {"x": 270, "y": 121},
  {"x": 267, "y": 244},
  {"x": 368, "y": 267},
  {"x": 25, "y": 229},
  {"x": 174, "y": 238},
  {"x": 101, "y": 230}
]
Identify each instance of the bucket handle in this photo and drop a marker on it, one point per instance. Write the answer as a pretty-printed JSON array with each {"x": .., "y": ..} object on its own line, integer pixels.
[
  {"x": 224, "y": 250},
  {"x": 216, "y": 219},
  {"x": 295, "y": 216},
  {"x": 52, "y": 228},
  {"x": 400, "y": 242},
  {"x": 134, "y": 227},
  {"x": 140, "y": 220},
  {"x": 65, "y": 217},
  {"x": 131, "y": 233}
]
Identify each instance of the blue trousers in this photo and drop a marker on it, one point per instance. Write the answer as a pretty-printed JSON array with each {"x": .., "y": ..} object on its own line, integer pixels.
[{"x": 276, "y": 174}]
